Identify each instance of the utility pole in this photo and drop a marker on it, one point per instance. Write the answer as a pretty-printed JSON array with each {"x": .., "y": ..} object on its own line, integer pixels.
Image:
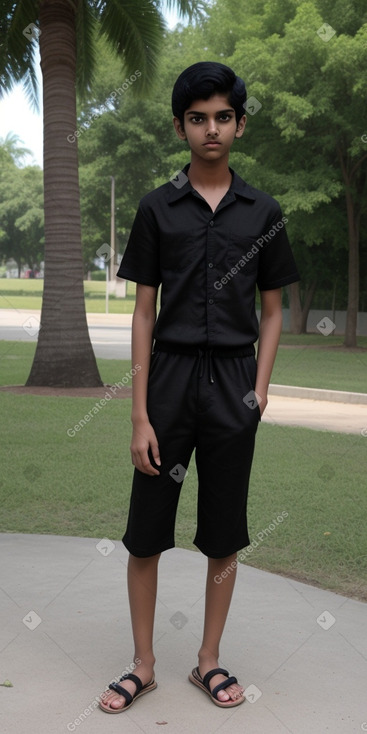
[{"x": 113, "y": 261}]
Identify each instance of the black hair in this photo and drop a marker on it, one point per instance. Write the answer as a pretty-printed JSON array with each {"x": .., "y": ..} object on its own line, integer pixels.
[{"x": 202, "y": 81}]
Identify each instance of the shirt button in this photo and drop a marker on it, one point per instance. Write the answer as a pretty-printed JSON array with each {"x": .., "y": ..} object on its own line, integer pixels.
[
  {"x": 211, "y": 223},
  {"x": 210, "y": 301},
  {"x": 210, "y": 265}
]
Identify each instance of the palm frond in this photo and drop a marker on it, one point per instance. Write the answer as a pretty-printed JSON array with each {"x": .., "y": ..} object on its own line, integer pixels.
[
  {"x": 135, "y": 31},
  {"x": 17, "y": 51},
  {"x": 30, "y": 84},
  {"x": 86, "y": 22},
  {"x": 188, "y": 8},
  {"x": 11, "y": 144}
]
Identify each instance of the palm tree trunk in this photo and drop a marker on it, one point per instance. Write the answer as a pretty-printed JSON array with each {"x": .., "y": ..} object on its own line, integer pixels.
[
  {"x": 64, "y": 354},
  {"x": 350, "y": 337}
]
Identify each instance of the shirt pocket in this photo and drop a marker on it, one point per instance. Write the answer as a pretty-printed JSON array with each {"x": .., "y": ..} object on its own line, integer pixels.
[
  {"x": 178, "y": 250},
  {"x": 243, "y": 254}
]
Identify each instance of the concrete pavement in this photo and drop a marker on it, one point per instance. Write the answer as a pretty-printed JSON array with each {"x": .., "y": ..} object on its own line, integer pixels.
[
  {"x": 300, "y": 651},
  {"x": 321, "y": 415}
]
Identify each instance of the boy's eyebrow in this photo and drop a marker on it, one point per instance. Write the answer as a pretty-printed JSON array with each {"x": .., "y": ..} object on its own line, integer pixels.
[{"x": 219, "y": 112}]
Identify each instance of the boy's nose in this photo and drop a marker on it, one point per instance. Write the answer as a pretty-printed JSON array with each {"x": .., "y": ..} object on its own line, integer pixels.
[{"x": 212, "y": 128}]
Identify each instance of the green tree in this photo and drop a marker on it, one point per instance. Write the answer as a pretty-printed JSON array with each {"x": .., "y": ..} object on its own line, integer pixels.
[
  {"x": 21, "y": 212},
  {"x": 66, "y": 31},
  {"x": 305, "y": 143}
]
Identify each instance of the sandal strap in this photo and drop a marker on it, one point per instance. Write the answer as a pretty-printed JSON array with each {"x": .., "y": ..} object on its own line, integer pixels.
[
  {"x": 135, "y": 679},
  {"x": 222, "y": 685},
  {"x": 208, "y": 676},
  {"x": 122, "y": 692}
]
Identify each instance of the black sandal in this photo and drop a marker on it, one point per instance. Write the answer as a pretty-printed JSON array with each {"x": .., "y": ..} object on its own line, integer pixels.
[
  {"x": 129, "y": 699},
  {"x": 203, "y": 683}
]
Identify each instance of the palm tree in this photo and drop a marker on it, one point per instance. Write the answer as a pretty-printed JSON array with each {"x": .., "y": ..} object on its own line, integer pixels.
[
  {"x": 66, "y": 31},
  {"x": 11, "y": 144}
]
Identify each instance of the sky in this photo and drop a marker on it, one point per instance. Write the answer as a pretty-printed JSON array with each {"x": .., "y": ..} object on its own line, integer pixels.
[{"x": 17, "y": 116}]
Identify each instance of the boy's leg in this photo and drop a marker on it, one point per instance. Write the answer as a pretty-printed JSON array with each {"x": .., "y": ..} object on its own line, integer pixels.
[
  {"x": 217, "y": 601},
  {"x": 224, "y": 451},
  {"x": 142, "y": 576}
]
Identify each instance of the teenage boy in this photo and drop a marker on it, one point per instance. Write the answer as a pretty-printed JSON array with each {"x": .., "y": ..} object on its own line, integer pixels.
[{"x": 207, "y": 238}]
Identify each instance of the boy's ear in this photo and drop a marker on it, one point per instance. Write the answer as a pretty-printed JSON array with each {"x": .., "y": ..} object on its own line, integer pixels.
[
  {"x": 180, "y": 130},
  {"x": 241, "y": 126}
]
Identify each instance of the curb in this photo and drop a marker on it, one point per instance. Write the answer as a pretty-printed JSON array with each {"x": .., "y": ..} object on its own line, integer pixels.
[{"x": 313, "y": 393}]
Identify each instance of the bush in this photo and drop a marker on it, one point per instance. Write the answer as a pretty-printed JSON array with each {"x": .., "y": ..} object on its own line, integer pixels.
[{"x": 98, "y": 275}]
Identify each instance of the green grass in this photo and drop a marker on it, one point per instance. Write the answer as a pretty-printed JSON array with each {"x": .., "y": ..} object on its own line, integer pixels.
[
  {"x": 333, "y": 369},
  {"x": 315, "y": 365},
  {"x": 80, "y": 485},
  {"x": 16, "y": 360},
  {"x": 27, "y": 294}
]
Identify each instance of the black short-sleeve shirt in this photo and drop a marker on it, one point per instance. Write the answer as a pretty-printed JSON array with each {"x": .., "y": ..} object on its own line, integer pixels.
[{"x": 208, "y": 263}]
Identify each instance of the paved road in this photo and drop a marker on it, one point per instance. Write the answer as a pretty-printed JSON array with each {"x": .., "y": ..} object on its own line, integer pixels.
[{"x": 110, "y": 333}]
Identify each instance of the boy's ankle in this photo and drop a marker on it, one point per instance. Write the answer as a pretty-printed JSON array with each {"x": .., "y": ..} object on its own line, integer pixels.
[
  {"x": 146, "y": 660},
  {"x": 205, "y": 654}
]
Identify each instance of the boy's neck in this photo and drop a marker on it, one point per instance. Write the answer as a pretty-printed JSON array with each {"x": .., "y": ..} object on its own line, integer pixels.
[{"x": 209, "y": 174}]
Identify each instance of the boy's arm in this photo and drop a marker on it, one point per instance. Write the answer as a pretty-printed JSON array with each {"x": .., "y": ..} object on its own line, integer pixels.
[
  {"x": 143, "y": 436},
  {"x": 269, "y": 335}
]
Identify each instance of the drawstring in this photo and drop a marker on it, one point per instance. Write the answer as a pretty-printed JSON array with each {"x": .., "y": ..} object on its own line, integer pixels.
[{"x": 205, "y": 352}]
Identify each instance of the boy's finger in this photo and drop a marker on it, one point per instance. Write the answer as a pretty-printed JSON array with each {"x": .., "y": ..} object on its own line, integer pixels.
[
  {"x": 155, "y": 453},
  {"x": 146, "y": 466}
]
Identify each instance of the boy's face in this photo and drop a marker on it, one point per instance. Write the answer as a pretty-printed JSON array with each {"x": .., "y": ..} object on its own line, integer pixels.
[{"x": 210, "y": 127}]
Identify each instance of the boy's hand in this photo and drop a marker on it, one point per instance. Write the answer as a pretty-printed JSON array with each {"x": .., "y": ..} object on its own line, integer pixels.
[
  {"x": 143, "y": 439},
  {"x": 262, "y": 399},
  {"x": 262, "y": 404}
]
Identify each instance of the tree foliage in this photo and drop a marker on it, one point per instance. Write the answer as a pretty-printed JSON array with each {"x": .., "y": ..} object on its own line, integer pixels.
[
  {"x": 21, "y": 207},
  {"x": 305, "y": 143}
]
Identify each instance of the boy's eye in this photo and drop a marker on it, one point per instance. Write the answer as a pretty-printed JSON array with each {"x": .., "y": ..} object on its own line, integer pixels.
[{"x": 224, "y": 117}]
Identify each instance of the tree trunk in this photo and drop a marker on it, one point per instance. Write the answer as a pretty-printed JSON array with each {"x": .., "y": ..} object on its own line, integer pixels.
[
  {"x": 295, "y": 309},
  {"x": 64, "y": 354},
  {"x": 310, "y": 292},
  {"x": 350, "y": 338}
]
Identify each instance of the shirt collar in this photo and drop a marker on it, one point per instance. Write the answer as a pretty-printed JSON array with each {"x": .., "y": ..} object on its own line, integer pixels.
[{"x": 238, "y": 186}]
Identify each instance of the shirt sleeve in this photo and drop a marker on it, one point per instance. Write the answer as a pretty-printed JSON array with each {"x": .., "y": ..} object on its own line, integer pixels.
[
  {"x": 140, "y": 262},
  {"x": 277, "y": 266}
]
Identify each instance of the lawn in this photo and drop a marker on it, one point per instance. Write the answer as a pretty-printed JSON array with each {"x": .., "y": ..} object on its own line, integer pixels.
[
  {"x": 79, "y": 485},
  {"x": 52, "y": 482},
  {"x": 320, "y": 365},
  {"x": 27, "y": 294},
  {"x": 303, "y": 365}
]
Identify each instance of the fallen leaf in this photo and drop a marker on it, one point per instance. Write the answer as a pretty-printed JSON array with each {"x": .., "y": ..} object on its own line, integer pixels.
[{"x": 7, "y": 683}]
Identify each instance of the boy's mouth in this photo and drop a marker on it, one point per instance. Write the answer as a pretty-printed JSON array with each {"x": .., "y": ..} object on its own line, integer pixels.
[{"x": 211, "y": 143}]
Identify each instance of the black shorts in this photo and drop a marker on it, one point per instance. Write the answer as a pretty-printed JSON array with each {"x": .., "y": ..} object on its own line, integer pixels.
[{"x": 203, "y": 402}]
